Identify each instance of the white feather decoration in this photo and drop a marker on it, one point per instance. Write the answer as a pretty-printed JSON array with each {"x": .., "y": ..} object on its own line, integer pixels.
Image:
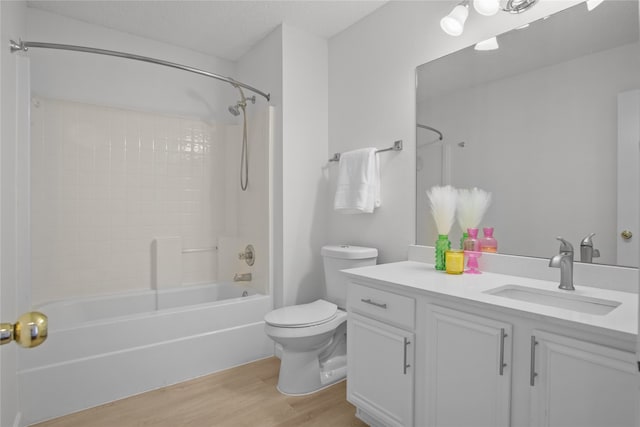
[
  {"x": 443, "y": 207},
  {"x": 472, "y": 205}
]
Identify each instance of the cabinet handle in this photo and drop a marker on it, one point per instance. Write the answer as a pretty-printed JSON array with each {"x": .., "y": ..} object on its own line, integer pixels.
[
  {"x": 503, "y": 335},
  {"x": 405, "y": 365},
  {"x": 532, "y": 371},
  {"x": 377, "y": 304}
]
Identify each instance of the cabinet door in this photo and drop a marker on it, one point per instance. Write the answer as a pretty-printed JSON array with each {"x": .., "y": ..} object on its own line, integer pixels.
[
  {"x": 468, "y": 369},
  {"x": 576, "y": 383},
  {"x": 379, "y": 370}
]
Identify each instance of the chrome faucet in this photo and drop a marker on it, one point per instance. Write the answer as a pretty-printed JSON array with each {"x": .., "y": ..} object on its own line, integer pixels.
[
  {"x": 587, "y": 253},
  {"x": 564, "y": 260}
]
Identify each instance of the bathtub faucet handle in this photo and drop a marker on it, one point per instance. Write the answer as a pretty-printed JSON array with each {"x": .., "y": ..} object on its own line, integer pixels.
[{"x": 248, "y": 255}]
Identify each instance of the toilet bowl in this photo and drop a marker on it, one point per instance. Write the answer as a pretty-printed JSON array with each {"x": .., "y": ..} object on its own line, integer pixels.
[
  {"x": 313, "y": 353},
  {"x": 313, "y": 336}
]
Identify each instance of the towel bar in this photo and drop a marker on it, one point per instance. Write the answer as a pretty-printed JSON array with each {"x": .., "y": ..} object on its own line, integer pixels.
[{"x": 397, "y": 146}]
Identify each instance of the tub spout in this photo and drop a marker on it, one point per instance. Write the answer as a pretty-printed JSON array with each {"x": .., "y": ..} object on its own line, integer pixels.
[{"x": 242, "y": 277}]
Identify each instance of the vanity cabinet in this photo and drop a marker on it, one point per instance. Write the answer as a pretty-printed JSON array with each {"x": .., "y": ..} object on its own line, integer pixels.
[
  {"x": 380, "y": 379},
  {"x": 468, "y": 369},
  {"x": 430, "y": 360},
  {"x": 380, "y": 356},
  {"x": 578, "y": 383}
]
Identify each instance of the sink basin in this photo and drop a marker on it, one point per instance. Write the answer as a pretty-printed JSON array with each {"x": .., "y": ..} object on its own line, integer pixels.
[{"x": 566, "y": 301}]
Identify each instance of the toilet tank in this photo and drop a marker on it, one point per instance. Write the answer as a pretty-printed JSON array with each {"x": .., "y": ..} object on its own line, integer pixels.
[{"x": 341, "y": 257}]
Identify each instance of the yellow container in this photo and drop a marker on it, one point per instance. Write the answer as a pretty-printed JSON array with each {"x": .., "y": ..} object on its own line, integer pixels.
[{"x": 454, "y": 262}]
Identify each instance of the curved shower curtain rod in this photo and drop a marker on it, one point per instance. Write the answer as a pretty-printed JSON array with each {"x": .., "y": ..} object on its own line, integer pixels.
[
  {"x": 24, "y": 45},
  {"x": 431, "y": 129}
]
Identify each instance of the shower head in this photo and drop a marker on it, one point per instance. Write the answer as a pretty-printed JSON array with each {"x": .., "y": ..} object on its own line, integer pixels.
[{"x": 234, "y": 109}]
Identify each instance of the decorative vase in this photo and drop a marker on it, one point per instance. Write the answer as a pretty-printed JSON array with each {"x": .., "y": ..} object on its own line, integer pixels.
[
  {"x": 471, "y": 242},
  {"x": 442, "y": 245},
  {"x": 472, "y": 251},
  {"x": 488, "y": 243},
  {"x": 463, "y": 238}
]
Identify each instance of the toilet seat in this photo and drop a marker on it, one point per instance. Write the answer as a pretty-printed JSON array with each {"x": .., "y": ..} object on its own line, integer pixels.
[
  {"x": 305, "y": 332},
  {"x": 302, "y": 315}
]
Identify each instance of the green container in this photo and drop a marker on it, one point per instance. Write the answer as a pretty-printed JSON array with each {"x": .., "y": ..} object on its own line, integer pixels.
[{"x": 442, "y": 245}]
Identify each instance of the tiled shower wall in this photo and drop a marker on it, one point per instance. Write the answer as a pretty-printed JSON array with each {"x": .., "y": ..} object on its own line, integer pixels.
[{"x": 105, "y": 182}]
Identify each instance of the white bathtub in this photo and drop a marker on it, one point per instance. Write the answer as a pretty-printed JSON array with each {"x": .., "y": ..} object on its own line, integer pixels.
[{"x": 103, "y": 349}]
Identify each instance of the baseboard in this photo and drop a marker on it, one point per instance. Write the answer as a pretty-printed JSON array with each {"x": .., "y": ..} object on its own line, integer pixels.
[{"x": 368, "y": 419}]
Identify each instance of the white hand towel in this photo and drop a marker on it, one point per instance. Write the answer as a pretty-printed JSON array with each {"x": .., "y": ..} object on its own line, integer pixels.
[{"x": 358, "y": 188}]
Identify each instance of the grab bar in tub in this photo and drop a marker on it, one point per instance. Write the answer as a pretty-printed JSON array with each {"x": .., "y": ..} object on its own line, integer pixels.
[{"x": 193, "y": 250}]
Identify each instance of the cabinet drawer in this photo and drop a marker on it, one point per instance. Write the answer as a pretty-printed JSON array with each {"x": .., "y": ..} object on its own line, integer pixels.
[{"x": 381, "y": 305}]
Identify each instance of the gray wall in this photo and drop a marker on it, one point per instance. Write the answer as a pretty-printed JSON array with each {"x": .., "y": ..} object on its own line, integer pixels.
[{"x": 372, "y": 103}]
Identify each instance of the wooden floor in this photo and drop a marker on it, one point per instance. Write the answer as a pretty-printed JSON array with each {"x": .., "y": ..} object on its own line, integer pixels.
[{"x": 242, "y": 396}]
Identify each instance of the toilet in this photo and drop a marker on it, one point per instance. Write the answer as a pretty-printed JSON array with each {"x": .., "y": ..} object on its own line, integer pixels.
[{"x": 314, "y": 336}]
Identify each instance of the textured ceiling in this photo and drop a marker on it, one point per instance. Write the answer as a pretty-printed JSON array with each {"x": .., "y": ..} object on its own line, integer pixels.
[{"x": 226, "y": 29}]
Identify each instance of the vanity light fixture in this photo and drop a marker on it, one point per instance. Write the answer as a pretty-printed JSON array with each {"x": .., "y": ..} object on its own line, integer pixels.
[
  {"x": 516, "y": 6},
  {"x": 486, "y": 7},
  {"x": 488, "y": 44},
  {"x": 453, "y": 23}
]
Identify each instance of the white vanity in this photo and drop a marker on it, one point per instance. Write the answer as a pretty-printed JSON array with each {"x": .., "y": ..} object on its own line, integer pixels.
[{"x": 430, "y": 349}]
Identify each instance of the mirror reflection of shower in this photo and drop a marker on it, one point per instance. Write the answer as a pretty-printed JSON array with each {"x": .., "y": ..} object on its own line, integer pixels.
[
  {"x": 436, "y": 150},
  {"x": 244, "y": 158},
  {"x": 440, "y": 136}
]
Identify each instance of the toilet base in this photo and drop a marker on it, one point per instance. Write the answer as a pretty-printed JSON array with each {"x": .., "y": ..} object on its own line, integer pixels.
[
  {"x": 314, "y": 391},
  {"x": 301, "y": 373}
]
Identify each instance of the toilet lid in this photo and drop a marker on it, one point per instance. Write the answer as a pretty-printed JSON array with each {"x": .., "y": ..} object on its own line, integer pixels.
[{"x": 301, "y": 315}]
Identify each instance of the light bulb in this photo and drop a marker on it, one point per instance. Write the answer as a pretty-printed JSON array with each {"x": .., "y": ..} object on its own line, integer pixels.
[
  {"x": 489, "y": 44},
  {"x": 486, "y": 7},
  {"x": 453, "y": 23}
]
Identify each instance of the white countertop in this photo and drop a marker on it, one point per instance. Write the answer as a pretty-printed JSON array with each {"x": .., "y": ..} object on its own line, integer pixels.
[{"x": 423, "y": 277}]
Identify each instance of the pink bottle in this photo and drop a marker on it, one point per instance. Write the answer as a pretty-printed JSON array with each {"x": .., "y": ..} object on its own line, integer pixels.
[
  {"x": 488, "y": 243},
  {"x": 471, "y": 243},
  {"x": 472, "y": 251}
]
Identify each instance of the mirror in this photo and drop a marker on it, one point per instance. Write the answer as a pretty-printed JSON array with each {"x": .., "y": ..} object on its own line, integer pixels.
[{"x": 549, "y": 123}]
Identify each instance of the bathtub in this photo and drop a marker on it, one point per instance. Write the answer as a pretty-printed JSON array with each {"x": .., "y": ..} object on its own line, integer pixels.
[{"x": 102, "y": 349}]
